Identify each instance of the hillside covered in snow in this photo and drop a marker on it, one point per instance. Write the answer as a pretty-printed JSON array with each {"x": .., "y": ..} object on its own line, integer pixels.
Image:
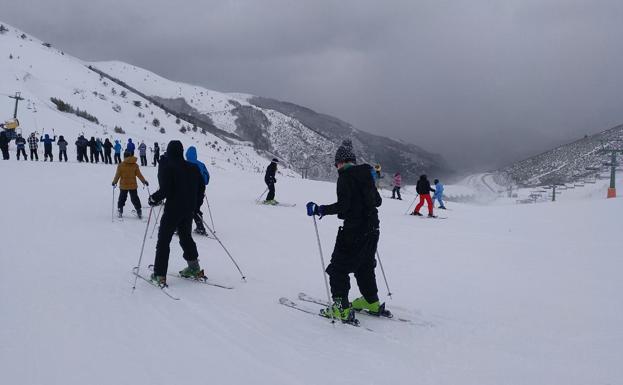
[{"x": 578, "y": 161}]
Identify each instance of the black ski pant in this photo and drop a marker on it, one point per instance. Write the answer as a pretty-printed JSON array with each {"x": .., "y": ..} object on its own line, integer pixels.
[
  {"x": 395, "y": 191},
  {"x": 117, "y": 157},
  {"x": 168, "y": 225},
  {"x": 354, "y": 252},
  {"x": 271, "y": 191},
  {"x": 47, "y": 152},
  {"x": 156, "y": 159},
  {"x": 62, "y": 154},
  {"x": 199, "y": 222},
  {"x": 5, "y": 152},
  {"x": 107, "y": 157},
  {"x": 143, "y": 160},
  {"x": 94, "y": 156},
  {"x": 82, "y": 155},
  {"x": 23, "y": 152},
  {"x": 123, "y": 196},
  {"x": 33, "y": 154}
]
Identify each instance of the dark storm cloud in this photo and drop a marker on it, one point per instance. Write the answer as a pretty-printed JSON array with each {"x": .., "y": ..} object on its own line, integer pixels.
[{"x": 482, "y": 82}]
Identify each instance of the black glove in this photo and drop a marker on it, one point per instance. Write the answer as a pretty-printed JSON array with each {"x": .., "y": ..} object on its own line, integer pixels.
[
  {"x": 114, "y": 184},
  {"x": 152, "y": 202},
  {"x": 146, "y": 183}
]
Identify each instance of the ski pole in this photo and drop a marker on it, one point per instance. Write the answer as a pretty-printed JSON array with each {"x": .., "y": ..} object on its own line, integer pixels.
[
  {"x": 378, "y": 256},
  {"x": 140, "y": 257},
  {"x": 409, "y": 208},
  {"x": 112, "y": 213},
  {"x": 324, "y": 275},
  {"x": 156, "y": 222},
  {"x": 261, "y": 195},
  {"x": 210, "y": 212},
  {"x": 226, "y": 251}
]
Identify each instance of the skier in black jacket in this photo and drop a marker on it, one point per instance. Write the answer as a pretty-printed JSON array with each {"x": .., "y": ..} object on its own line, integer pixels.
[
  {"x": 357, "y": 238},
  {"x": 424, "y": 189},
  {"x": 107, "y": 152},
  {"x": 181, "y": 184},
  {"x": 270, "y": 180},
  {"x": 4, "y": 145}
]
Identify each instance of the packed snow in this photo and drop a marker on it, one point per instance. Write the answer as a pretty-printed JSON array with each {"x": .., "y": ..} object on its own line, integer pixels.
[{"x": 499, "y": 294}]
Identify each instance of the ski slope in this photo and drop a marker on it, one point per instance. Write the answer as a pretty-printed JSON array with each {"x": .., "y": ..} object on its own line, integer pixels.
[{"x": 501, "y": 294}]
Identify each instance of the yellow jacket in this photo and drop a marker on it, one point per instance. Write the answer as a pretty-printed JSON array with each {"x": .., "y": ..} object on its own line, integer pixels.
[{"x": 128, "y": 171}]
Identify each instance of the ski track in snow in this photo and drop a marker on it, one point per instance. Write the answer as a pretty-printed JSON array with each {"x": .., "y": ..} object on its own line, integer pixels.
[{"x": 507, "y": 294}]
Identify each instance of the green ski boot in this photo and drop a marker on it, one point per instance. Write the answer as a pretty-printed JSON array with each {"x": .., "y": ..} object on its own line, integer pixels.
[
  {"x": 339, "y": 312},
  {"x": 158, "y": 280},
  {"x": 192, "y": 272},
  {"x": 375, "y": 308}
]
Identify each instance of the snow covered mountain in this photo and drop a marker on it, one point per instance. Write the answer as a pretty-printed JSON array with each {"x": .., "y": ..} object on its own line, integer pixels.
[{"x": 576, "y": 161}]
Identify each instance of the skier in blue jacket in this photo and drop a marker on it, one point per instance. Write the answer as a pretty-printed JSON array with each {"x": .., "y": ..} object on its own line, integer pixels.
[
  {"x": 117, "y": 148},
  {"x": 191, "y": 157},
  {"x": 439, "y": 194},
  {"x": 130, "y": 146}
]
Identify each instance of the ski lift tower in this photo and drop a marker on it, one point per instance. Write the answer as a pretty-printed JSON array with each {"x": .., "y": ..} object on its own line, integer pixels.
[{"x": 613, "y": 152}]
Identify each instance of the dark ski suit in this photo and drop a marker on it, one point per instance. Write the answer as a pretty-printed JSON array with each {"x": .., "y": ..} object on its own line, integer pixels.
[{"x": 270, "y": 180}]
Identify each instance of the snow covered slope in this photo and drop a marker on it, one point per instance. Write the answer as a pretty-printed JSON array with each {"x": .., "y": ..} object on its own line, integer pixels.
[
  {"x": 568, "y": 162},
  {"x": 40, "y": 73},
  {"x": 521, "y": 294}
]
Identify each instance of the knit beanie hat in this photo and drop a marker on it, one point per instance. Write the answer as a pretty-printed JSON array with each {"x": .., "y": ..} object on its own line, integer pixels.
[{"x": 345, "y": 152}]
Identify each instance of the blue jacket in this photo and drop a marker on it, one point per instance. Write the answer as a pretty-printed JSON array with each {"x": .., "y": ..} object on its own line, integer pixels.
[
  {"x": 117, "y": 147},
  {"x": 438, "y": 190},
  {"x": 191, "y": 156},
  {"x": 47, "y": 141},
  {"x": 130, "y": 147}
]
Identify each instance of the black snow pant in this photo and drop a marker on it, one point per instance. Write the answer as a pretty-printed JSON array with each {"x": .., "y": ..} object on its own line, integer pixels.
[
  {"x": 33, "y": 154},
  {"x": 117, "y": 157},
  {"x": 5, "y": 152},
  {"x": 271, "y": 191},
  {"x": 156, "y": 158},
  {"x": 123, "y": 196},
  {"x": 47, "y": 152},
  {"x": 62, "y": 154},
  {"x": 82, "y": 155},
  {"x": 143, "y": 160},
  {"x": 199, "y": 222},
  {"x": 23, "y": 152},
  {"x": 107, "y": 157},
  {"x": 354, "y": 252},
  {"x": 94, "y": 156},
  {"x": 395, "y": 191},
  {"x": 168, "y": 225}
]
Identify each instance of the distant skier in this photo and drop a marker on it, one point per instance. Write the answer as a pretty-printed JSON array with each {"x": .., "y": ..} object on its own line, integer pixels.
[
  {"x": 33, "y": 145},
  {"x": 4, "y": 145},
  {"x": 191, "y": 156},
  {"x": 81, "y": 149},
  {"x": 156, "y": 151},
  {"x": 130, "y": 146},
  {"x": 270, "y": 180},
  {"x": 142, "y": 151},
  {"x": 357, "y": 238},
  {"x": 127, "y": 172},
  {"x": 107, "y": 151},
  {"x": 183, "y": 188},
  {"x": 99, "y": 150},
  {"x": 62, "y": 148},
  {"x": 423, "y": 189},
  {"x": 439, "y": 194},
  {"x": 93, "y": 150},
  {"x": 397, "y": 185},
  {"x": 117, "y": 148},
  {"x": 20, "y": 143},
  {"x": 47, "y": 147},
  {"x": 377, "y": 169}
]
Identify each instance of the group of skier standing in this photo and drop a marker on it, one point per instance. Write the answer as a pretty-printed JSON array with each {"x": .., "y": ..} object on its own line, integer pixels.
[{"x": 87, "y": 150}]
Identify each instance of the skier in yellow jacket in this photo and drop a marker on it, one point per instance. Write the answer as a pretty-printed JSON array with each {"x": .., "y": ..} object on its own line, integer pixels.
[{"x": 127, "y": 172}]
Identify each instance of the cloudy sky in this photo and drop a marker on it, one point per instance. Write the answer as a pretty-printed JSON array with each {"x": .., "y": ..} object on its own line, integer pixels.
[{"x": 482, "y": 82}]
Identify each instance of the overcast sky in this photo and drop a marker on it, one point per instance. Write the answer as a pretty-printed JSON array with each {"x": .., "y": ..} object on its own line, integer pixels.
[{"x": 481, "y": 82}]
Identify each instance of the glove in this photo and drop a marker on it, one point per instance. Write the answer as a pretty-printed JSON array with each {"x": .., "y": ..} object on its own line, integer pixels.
[
  {"x": 146, "y": 183},
  {"x": 114, "y": 185},
  {"x": 152, "y": 202},
  {"x": 314, "y": 209}
]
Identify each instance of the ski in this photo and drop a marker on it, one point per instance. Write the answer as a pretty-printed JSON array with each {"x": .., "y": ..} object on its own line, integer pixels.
[
  {"x": 291, "y": 304},
  {"x": 386, "y": 314},
  {"x": 164, "y": 289},
  {"x": 205, "y": 281},
  {"x": 277, "y": 204}
]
